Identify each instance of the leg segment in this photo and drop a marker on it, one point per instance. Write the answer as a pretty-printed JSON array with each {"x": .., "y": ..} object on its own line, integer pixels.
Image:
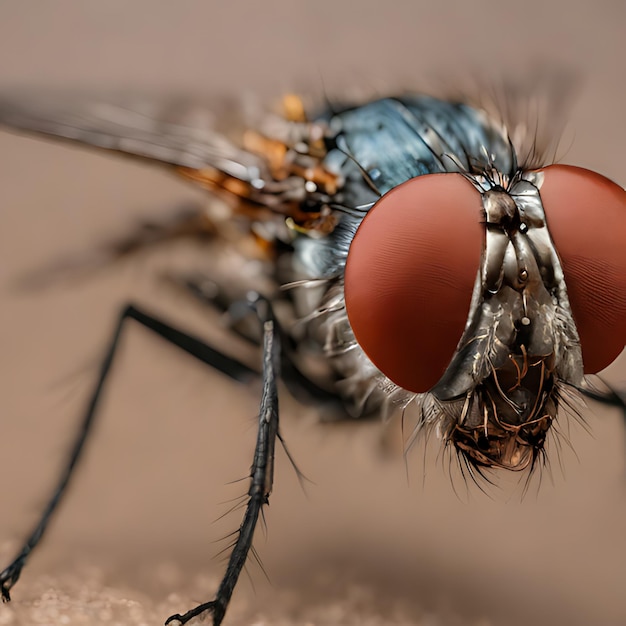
[
  {"x": 298, "y": 383},
  {"x": 188, "y": 222},
  {"x": 610, "y": 397},
  {"x": 261, "y": 472},
  {"x": 192, "y": 345}
]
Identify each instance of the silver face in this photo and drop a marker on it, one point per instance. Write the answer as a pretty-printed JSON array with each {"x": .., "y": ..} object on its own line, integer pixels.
[{"x": 520, "y": 341}]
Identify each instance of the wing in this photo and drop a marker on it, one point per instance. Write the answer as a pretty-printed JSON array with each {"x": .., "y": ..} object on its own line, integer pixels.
[
  {"x": 174, "y": 133},
  {"x": 269, "y": 166}
]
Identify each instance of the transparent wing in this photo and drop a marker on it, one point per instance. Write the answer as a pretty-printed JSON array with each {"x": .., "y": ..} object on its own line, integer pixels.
[
  {"x": 269, "y": 163},
  {"x": 175, "y": 133}
]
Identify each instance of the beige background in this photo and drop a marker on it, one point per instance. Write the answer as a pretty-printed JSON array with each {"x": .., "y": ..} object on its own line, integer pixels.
[{"x": 133, "y": 541}]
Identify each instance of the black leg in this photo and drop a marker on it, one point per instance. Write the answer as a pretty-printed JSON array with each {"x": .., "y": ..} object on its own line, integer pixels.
[
  {"x": 299, "y": 384},
  {"x": 187, "y": 222},
  {"x": 611, "y": 397},
  {"x": 261, "y": 472},
  {"x": 192, "y": 345}
]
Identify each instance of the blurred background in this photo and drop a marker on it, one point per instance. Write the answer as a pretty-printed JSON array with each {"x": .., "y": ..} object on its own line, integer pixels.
[{"x": 134, "y": 541}]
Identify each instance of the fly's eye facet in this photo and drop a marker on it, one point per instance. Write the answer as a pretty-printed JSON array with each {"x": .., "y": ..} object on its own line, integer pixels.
[
  {"x": 586, "y": 216},
  {"x": 410, "y": 274}
]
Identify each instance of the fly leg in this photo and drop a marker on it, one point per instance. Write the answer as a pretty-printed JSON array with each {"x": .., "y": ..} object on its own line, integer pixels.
[
  {"x": 236, "y": 310},
  {"x": 187, "y": 222},
  {"x": 261, "y": 472},
  {"x": 610, "y": 397},
  {"x": 194, "y": 346}
]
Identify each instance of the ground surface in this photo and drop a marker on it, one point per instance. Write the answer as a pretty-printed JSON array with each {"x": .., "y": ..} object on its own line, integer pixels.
[{"x": 133, "y": 542}]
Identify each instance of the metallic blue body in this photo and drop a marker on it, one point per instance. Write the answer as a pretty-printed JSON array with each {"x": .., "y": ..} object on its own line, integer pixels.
[{"x": 391, "y": 141}]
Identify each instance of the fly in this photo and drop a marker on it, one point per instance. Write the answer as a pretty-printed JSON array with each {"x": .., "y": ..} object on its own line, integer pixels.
[{"x": 425, "y": 259}]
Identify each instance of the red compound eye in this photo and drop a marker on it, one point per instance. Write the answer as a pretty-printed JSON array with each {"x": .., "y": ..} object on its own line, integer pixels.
[
  {"x": 410, "y": 275},
  {"x": 586, "y": 215}
]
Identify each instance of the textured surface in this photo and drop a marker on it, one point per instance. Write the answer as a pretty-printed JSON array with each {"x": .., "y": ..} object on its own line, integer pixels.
[{"x": 362, "y": 546}]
